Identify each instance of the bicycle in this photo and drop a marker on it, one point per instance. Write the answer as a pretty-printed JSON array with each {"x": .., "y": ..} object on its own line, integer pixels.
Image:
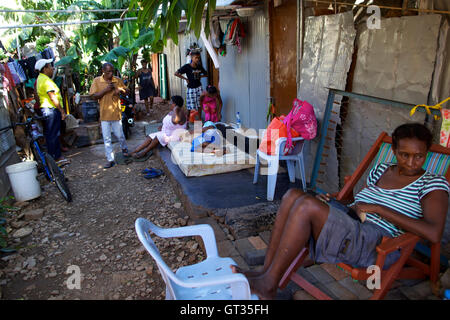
[{"x": 45, "y": 162}]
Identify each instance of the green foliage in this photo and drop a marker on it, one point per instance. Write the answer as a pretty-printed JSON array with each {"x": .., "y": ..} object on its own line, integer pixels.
[
  {"x": 4, "y": 207},
  {"x": 165, "y": 15},
  {"x": 114, "y": 55},
  {"x": 3, "y": 56},
  {"x": 42, "y": 42}
]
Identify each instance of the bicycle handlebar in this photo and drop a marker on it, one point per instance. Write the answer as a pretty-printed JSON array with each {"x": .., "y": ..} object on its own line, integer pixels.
[{"x": 29, "y": 120}]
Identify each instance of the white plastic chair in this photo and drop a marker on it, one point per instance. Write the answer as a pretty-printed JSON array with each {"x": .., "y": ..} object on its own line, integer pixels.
[
  {"x": 211, "y": 279},
  {"x": 294, "y": 161}
]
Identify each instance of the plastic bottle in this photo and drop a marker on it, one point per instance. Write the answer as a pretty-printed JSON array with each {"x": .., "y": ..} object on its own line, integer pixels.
[
  {"x": 238, "y": 120},
  {"x": 447, "y": 294}
]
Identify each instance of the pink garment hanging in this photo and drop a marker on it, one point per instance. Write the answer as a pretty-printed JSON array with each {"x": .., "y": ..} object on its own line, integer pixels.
[{"x": 303, "y": 120}]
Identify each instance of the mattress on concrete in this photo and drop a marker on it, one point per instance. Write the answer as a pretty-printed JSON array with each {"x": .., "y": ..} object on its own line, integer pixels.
[{"x": 195, "y": 164}]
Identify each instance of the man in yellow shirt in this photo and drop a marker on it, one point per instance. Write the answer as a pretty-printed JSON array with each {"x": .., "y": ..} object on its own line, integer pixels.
[
  {"x": 106, "y": 89},
  {"x": 51, "y": 106}
]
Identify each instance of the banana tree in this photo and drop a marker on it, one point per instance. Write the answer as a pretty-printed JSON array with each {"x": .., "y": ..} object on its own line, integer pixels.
[{"x": 165, "y": 16}]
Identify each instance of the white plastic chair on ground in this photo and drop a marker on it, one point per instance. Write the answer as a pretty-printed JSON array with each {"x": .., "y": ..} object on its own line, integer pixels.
[
  {"x": 294, "y": 159},
  {"x": 211, "y": 279}
]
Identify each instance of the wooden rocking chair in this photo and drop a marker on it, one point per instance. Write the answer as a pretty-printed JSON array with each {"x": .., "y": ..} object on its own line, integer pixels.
[{"x": 406, "y": 267}]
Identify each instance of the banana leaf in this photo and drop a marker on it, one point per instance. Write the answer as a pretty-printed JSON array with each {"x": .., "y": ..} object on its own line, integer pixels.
[{"x": 65, "y": 60}]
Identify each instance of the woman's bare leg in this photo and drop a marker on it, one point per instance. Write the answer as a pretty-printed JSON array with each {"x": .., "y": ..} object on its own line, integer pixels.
[
  {"x": 147, "y": 108},
  {"x": 289, "y": 199},
  {"x": 150, "y": 102},
  {"x": 306, "y": 217},
  {"x": 153, "y": 144},
  {"x": 145, "y": 144}
]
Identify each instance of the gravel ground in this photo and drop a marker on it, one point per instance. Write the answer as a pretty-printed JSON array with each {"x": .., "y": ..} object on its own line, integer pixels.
[{"x": 96, "y": 232}]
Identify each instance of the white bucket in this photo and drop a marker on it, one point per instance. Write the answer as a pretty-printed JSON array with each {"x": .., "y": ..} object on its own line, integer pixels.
[{"x": 23, "y": 180}]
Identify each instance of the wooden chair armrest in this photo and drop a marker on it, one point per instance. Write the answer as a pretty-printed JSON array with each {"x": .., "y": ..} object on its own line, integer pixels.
[
  {"x": 389, "y": 245},
  {"x": 349, "y": 197}
]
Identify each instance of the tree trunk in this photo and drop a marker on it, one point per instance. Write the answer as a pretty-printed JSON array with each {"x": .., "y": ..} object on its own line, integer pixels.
[{"x": 133, "y": 78}]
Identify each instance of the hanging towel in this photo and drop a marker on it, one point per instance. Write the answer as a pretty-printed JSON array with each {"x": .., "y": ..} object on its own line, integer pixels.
[
  {"x": 14, "y": 73},
  {"x": 210, "y": 49},
  {"x": 216, "y": 34},
  {"x": 8, "y": 75}
]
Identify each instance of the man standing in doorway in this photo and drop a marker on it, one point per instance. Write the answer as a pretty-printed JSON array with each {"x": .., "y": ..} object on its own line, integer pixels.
[
  {"x": 194, "y": 72},
  {"x": 106, "y": 89}
]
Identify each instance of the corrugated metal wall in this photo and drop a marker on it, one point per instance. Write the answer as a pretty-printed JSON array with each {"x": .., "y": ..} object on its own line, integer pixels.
[
  {"x": 173, "y": 64},
  {"x": 244, "y": 77},
  {"x": 8, "y": 155}
]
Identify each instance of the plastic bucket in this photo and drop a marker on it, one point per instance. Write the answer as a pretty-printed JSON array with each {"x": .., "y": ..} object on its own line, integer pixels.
[
  {"x": 23, "y": 180},
  {"x": 90, "y": 111}
]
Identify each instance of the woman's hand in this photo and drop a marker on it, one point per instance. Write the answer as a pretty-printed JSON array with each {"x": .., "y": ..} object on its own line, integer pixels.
[
  {"x": 362, "y": 208},
  {"x": 324, "y": 197}
]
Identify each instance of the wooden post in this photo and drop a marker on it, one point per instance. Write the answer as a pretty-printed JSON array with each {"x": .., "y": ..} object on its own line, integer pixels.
[
  {"x": 404, "y": 7},
  {"x": 277, "y": 3}
]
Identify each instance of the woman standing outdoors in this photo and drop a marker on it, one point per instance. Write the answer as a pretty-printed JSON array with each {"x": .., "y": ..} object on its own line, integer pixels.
[
  {"x": 51, "y": 107},
  {"x": 147, "y": 89}
]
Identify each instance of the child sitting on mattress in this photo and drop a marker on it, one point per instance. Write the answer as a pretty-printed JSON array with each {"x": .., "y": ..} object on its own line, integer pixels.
[
  {"x": 174, "y": 125},
  {"x": 210, "y": 141}
]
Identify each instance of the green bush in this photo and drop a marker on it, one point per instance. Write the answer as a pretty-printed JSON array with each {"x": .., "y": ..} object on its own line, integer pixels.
[
  {"x": 41, "y": 43},
  {"x": 3, "y": 213}
]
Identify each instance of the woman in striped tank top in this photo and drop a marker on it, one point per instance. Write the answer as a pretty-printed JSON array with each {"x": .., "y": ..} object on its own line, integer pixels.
[{"x": 396, "y": 198}]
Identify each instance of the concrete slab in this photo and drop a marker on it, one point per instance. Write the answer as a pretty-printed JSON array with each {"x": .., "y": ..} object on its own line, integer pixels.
[
  {"x": 334, "y": 271},
  {"x": 340, "y": 291},
  {"x": 356, "y": 288},
  {"x": 243, "y": 245},
  {"x": 395, "y": 294},
  {"x": 320, "y": 274},
  {"x": 255, "y": 257},
  {"x": 265, "y": 235},
  {"x": 302, "y": 295},
  {"x": 226, "y": 249},
  {"x": 257, "y": 242},
  {"x": 417, "y": 292}
]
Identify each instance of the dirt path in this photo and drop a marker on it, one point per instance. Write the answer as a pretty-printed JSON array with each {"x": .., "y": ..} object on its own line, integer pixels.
[{"x": 96, "y": 233}]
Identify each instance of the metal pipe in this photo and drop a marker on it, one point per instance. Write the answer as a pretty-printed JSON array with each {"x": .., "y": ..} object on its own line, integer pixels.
[
  {"x": 66, "y": 23},
  {"x": 380, "y": 6},
  {"x": 62, "y": 11}
]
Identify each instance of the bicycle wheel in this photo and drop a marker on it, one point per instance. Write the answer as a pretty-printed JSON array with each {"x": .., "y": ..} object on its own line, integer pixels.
[
  {"x": 38, "y": 159},
  {"x": 58, "y": 177}
]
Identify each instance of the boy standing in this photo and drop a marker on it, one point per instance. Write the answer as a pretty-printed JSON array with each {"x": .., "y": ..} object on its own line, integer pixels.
[{"x": 194, "y": 72}]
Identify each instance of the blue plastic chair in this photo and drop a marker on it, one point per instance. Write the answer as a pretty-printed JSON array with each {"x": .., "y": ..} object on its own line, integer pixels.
[
  {"x": 211, "y": 279},
  {"x": 294, "y": 161}
]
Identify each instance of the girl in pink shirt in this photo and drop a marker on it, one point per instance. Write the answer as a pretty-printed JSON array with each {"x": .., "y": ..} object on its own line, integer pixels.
[{"x": 211, "y": 103}]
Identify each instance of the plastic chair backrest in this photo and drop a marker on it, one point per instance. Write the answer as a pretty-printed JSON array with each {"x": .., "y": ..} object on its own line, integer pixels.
[
  {"x": 281, "y": 143},
  {"x": 142, "y": 229}
]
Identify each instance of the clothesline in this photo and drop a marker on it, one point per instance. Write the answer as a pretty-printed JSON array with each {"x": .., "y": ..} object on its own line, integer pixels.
[
  {"x": 62, "y": 10},
  {"x": 66, "y": 23}
]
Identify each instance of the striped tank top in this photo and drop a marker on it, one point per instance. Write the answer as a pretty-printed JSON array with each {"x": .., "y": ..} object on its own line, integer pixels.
[{"x": 405, "y": 200}]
